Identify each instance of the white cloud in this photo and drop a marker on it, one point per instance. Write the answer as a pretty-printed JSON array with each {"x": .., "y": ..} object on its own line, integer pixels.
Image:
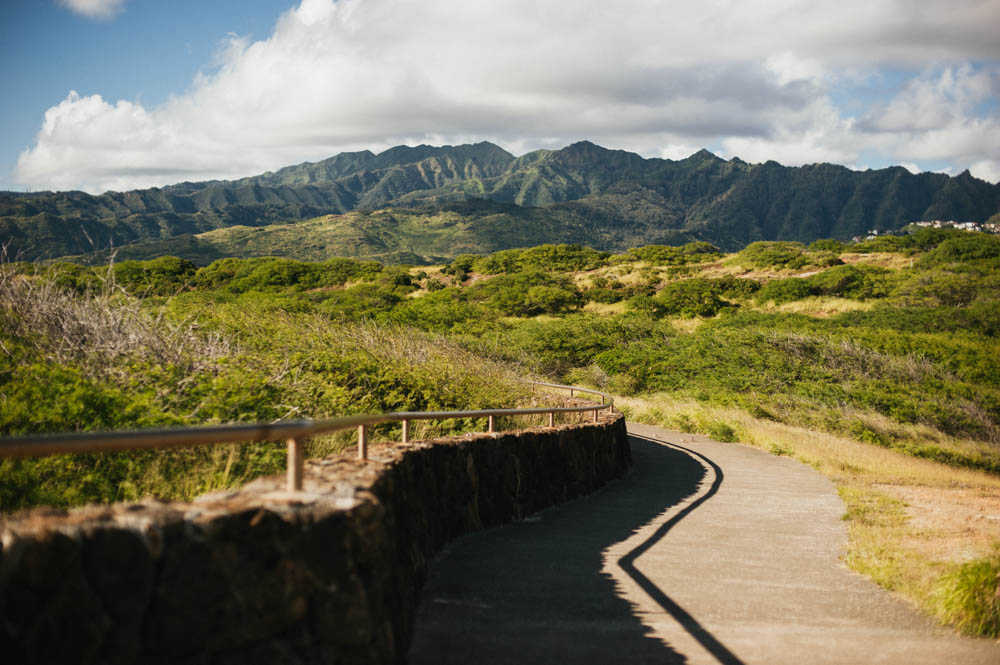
[
  {"x": 987, "y": 169},
  {"x": 656, "y": 78},
  {"x": 94, "y": 8}
]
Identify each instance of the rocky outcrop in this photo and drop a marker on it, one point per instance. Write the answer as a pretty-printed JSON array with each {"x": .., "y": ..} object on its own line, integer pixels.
[{"x": 329, "y": 575}]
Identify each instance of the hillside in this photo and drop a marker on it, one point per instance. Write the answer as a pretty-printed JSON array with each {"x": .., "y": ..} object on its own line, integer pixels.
[
  {"x": 419, "y": 236},
  {"x": 584, "y": 193},
  {"x": 874, "y": 363}
]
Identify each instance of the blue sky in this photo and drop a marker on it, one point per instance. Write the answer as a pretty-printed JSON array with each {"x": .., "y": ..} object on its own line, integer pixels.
[
  {"x": 121, "y": 94},
  {"x": 148, "y": 51}
]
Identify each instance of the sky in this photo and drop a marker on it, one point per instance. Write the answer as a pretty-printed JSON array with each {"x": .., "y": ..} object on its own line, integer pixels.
[{"x": 126, "y": 94}]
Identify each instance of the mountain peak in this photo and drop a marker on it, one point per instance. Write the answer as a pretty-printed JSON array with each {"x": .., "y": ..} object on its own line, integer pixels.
[{"x": 703, "y": 155}]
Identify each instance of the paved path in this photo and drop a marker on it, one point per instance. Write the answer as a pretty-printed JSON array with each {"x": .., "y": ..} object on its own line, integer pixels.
[{"x": 705, "y": 553}]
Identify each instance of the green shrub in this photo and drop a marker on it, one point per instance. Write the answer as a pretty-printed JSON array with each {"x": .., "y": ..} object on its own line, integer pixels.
[
  {"x": 526, "y": 293},
  {"x": 271, "y": 273},
  {"x": 360, "y": 302},
  {"x": 774, "y": 254},
  {"x": 880, "y": 244},
  {"x": 161, "y": 276},
  {"x": 855, "y": 282},
  {"x": 691, "y": 297},
  {"x": 561, "y": 258},
  {"x": 720, "y": 431},
  {"x": 827, "y": 245},
  {"x": 785, "y": 290},
  {"x": 963, "y": 248},
  {"x": 664, "y": 255},
  {"x": 969, "y": 597}
]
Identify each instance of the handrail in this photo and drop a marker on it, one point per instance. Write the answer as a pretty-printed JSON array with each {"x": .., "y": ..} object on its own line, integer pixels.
[{"x": 295, "y": 432}]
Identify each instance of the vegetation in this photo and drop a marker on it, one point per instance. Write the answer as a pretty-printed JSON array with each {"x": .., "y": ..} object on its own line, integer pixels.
[
  {"x": 877, "y": 367},
  {"x": 427, "y": 204}
]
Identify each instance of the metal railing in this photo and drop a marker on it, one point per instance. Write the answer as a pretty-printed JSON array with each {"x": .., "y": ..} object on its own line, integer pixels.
[{"x": 294, "y": 432}]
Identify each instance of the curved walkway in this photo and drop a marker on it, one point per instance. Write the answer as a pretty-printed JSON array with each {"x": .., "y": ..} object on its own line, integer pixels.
[{"x": 705, "y": 553}]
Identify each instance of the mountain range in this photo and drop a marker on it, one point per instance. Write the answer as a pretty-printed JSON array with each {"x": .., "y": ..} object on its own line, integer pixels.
[{"x": 424, "y": 203}]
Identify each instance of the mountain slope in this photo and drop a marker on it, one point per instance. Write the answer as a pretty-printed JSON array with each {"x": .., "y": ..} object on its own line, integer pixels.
[{"x": 609, "y": 197}]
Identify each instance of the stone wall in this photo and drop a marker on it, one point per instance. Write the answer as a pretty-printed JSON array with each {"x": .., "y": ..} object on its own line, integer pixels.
[{"x": 330, "y": 575}]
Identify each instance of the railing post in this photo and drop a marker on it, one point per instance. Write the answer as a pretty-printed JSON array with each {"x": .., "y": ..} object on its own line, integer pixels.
[
  {"x": 406, "y": 430},
  {"x": 295, "y": 464},
  {"x": 362, "y": 442},
  {"x": 490, "y": 424},
  {"x": 595, "y": 415},
  {"x": 552, "y": 419},
  {"x": 571, "y": 392}
]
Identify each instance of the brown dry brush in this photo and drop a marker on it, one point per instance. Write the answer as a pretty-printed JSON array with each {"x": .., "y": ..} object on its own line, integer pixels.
[{"x": 100, "y": 328}]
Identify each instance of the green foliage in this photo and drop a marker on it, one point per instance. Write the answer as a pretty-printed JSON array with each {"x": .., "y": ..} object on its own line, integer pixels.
[
  {"x": 962, "y": 248},
  {"x": 827, "y": 245},
  {"x": 282, "y": 364},
  {"x": 527, "y": 293},
  {"x": 269, "y": 273},
  {"x": 160, "y": 276},
  {"x": 921, "y": 240},
  {"x": 360, "y": 302},
  {"x": 785, "y": 290},
  {"x": 845, "y": 281},
  {"x": 441, "y": 310},
  {"x": 664, "y": 255},
  {"x": 460, "y": 266},
  {"x": 697, "y": 296},
  {"x": 557, "y": 346},
  {"x": 743, "y": 355},
  {"x": 690, "y": 297},
  {"x": 267, "y": 338},
  {"x": 969, "y": 597},
  {"x": 559, "y": 258},
  {"x": 773, "y": 255},
  {"x": 852, "y": 281}
]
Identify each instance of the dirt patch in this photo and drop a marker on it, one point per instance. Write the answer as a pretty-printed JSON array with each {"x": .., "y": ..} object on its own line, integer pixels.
[{"x": 950, "y": 524}]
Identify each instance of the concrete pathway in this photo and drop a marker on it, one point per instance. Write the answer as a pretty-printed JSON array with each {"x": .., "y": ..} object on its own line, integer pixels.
[{"x": 705, "y": 553}]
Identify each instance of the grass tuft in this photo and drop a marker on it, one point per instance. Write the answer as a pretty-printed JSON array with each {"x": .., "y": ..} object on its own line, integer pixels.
[{"x": 969, "y": 597}]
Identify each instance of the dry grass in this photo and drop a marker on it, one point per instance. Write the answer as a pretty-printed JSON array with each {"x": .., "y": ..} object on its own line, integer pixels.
[
  {"x": 606, "y": 308},
  {"x": 890, "y": 260},
  {"x": 685, "y": 325},
  {"x": 911, "y": 522},
  {"x": 818, "y": 306},
  {"x": 101, "y": 328}
]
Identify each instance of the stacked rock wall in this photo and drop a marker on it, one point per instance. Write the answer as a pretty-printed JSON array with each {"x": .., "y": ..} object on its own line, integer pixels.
[{"x": 329, "y": 575}]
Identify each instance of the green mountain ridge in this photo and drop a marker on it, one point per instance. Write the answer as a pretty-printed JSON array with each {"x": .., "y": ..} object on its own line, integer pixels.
[{"x": 582, "y": 193}]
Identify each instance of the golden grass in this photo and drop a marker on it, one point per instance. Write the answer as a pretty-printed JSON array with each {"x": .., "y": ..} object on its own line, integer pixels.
[
  {"x": 606, "y": 308},
  {"x": 818, "y": 306},
  {"x": 891, "y": 260},
  {"x": 911, "y": 522},
  {"x": 685, "y": 325}
]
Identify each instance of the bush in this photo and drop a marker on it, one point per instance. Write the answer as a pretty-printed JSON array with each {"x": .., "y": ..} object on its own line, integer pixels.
[
  {"x": 610, "y": 290},
  {"x": 781, "y": 291},
  {"x": 561, "y": 258},
  {"x": 966, "y": 247},
  {"x": 969, "y": 597},
  {"x": 691, "y": 297},
  {"x": 855, "y": 282},
  {"x": 275, "y": 274},
  {"x": 664, "y": 255},
  {"x": 527, "y": 293},
  {"x": 827, "y": 245},
  {"x": 161, "y": 276},
  {"x": 775, "y": 254}
]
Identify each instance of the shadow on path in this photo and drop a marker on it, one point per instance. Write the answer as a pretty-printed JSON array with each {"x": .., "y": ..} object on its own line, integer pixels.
[
  {"x": 627, "y": 563},
  {"x": 534, "y": 591}
]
